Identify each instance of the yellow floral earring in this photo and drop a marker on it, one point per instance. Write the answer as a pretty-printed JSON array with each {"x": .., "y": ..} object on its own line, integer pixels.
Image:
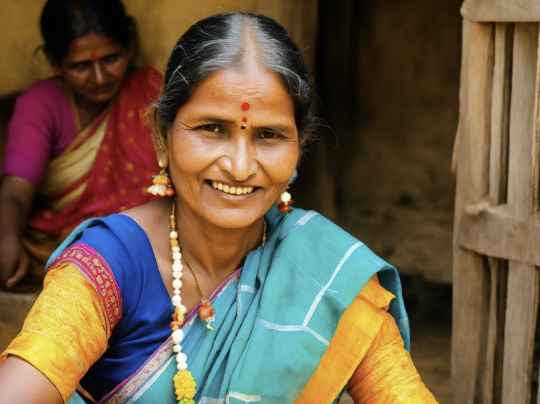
[{"x": 161, "y": 183}]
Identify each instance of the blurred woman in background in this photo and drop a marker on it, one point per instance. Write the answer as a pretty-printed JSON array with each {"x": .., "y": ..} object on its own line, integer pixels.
[{"x": 78, "y": 144}]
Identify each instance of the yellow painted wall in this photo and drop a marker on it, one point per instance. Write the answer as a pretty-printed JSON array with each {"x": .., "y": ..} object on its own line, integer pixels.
[{"x": 160, "y": 23}]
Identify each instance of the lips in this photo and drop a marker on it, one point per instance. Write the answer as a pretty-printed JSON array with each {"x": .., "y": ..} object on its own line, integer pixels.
[
  {"x": 103, "y": 90},
  {"x": 231, "y": 189}
]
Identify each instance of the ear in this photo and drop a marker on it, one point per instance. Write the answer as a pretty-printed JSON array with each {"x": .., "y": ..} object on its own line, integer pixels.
[
  {"x": 160, "y": 147},
  {"x": 163, "y": 158}
]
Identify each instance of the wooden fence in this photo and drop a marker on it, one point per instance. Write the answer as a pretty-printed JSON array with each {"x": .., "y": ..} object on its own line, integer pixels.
[{"x": 495, "y": 347}]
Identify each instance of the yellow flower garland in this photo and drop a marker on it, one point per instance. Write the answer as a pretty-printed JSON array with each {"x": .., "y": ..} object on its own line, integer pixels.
[{"x": 184, "y": 386}]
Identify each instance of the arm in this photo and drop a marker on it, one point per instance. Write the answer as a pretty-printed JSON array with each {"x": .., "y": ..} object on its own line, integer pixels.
[
  {"x": 64, "y": 334},
  {"x": 16, "y": 195},
  {"x": 30, "y": 135},
  {"x": 387, "y": 373},
  {"x": 21, "y": 383}
]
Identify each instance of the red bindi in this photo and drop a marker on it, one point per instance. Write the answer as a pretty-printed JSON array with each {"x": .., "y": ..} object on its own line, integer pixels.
[{"x": 245, "y": 106}]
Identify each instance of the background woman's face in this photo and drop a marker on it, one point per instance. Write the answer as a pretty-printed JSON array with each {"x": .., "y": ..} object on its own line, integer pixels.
[
  {"x": 233, "y": 146},
  {"x": 94, "y": 67}
]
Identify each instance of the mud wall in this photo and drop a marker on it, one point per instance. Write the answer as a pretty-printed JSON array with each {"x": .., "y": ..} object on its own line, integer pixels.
[{"x": 393, "y": 108}]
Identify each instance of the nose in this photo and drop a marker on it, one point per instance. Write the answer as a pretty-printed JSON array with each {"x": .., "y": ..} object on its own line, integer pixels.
[
  {"x": 240, "y": 160},
  {"x": 98, "y": 73}
]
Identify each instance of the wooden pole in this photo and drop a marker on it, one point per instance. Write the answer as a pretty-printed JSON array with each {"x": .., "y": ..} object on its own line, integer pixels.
[{"x": 471, "y": 282}]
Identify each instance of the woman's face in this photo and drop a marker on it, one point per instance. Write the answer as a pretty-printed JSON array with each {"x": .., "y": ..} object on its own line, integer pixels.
[
  {"x": 94, "y": 67},
  {"x": 234, "y": 146}
]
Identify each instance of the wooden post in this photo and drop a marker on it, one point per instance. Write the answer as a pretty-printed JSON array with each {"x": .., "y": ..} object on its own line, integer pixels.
[
  {"x": 522, "y": 301},
  {"x": 498, "y": 180},
  {"x": 471, "y": 289}
]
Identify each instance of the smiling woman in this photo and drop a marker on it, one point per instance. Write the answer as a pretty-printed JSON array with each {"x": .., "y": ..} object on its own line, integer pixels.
[{"x": 277, "y": 306}]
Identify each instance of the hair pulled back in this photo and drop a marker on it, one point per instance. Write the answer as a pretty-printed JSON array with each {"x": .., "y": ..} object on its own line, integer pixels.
[
  {"x": 62, "y": 21},
  {"x": 218, "y": 42}
]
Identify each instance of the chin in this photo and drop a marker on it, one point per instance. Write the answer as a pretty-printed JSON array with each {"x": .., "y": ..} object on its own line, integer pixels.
[
  {"x": 101, "y": 99},
  {"x": 234, "y": 218}
]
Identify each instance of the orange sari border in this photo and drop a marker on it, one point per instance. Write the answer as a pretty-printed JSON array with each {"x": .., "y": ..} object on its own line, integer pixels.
[{"x": 96, "y": 270}]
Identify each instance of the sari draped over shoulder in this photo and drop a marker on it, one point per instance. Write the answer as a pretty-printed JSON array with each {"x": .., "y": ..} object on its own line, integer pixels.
[
  {"x": 278, "y": 318},
  {"x": 104, "y": 170}
]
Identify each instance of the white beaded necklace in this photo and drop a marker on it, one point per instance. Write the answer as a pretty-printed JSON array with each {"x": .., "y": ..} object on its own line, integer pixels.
[{"x": 184, "y": 384}]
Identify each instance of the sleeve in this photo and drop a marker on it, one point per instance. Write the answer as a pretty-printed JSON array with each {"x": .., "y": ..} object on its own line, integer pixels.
[
  {"x": 66, "y": 330},
  {"x": 29, "y": 137},
  {"x": 387, "y": 373}
]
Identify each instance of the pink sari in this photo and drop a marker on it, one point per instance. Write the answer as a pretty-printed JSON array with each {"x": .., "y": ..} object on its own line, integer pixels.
[{"x": 105, "y": 169}]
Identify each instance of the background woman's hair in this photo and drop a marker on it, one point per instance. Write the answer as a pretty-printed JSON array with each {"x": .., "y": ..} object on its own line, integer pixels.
[
  {"x": 62, "y": 21},
  {"x": 217, "y": 43}
]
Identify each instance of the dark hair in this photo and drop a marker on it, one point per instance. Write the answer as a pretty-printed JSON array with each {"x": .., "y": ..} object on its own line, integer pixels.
[
  {"x": 218, "y": 42},
  {"x": 62, "y": 21}
]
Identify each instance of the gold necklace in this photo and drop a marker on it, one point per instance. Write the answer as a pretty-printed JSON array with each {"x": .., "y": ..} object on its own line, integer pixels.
[{"x": 206, "y": 310}]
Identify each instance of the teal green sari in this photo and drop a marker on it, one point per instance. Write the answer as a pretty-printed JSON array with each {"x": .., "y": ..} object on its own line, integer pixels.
[{"x": 274, "y": 318}]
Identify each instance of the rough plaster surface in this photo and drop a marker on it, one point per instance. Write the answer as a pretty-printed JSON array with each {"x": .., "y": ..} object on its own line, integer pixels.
[
  {"x": 159, "y": 24},
  {"x": 398, "y": 188}
]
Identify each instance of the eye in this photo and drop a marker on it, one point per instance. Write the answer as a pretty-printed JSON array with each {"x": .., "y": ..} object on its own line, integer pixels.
[
  {"x": 109, "y": 59},
  {"x": 213, "y": 128},
  {"x": 269, "y": 134},
  {"x": 79, "y": 67}
]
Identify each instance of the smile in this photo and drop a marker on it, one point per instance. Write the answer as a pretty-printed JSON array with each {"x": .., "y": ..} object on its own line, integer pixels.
[{"x": 231, "y": 190}]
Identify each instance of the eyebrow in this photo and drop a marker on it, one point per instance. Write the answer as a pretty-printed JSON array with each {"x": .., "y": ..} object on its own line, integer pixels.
[
  {"x": 88, "y": 60},
  {"x": 214, "y": 118},
  {"x": 217, "y": 119}
]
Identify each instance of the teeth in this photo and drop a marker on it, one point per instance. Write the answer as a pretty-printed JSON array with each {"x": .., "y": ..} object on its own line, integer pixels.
[{"x": 230, "y": 189}]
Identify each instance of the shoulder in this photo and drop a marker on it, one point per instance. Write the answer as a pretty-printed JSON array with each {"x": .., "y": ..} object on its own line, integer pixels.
[
  {"x": 42, "y": 101},
  {"x": 104, "y": 246},
  {"x": 309, "y": 238},
  {"x": 148, "y": 72},
  {"x": 148, "y": 78},
  {"x": 377, "y": 296},
  {"x": 44, "y": 91},
  {"x": 321, "y": 236},
  {"x": 111, "y": 253}
]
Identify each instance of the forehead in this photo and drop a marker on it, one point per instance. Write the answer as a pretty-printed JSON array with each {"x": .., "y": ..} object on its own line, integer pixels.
[
  {"x": 228, "y": 89},
  {"x": 91, "y": 46}
]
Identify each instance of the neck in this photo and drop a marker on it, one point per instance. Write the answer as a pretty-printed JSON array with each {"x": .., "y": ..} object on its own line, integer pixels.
[
  {"x": 213, "y": 250},
  {"x": 85, "y": 110},
  {"x": 88, "y": 107}
]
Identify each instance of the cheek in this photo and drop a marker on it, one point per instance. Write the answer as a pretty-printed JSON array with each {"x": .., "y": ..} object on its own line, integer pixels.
[
  {"x": 187, "y": 155},
  {"x": 280, "y": 164},
  {"x": 73, "y": 80},
  {"x": 118, "y": 70}
]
